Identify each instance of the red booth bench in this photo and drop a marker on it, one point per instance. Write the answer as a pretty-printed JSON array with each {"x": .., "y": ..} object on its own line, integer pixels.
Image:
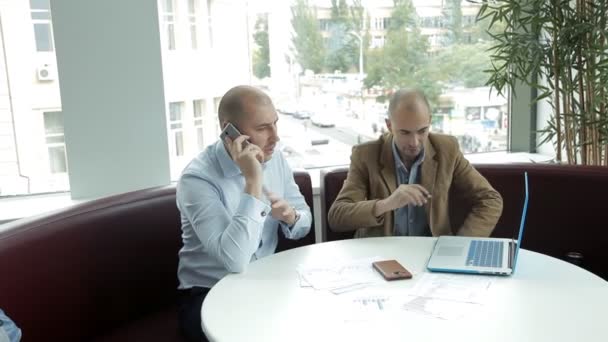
[
  {"x": 567, "y": 212},
  {"x": 103, "y": 270}
]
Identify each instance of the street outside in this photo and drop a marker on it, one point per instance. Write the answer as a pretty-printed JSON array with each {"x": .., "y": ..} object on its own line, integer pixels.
[{"x": 308, "y": 146}]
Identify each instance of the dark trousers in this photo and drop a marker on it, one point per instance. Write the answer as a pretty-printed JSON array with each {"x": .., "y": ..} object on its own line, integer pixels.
[{"x": 189, "y": 313}]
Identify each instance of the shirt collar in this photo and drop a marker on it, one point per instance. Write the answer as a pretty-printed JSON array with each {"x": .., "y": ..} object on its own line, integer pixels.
[
  {"x": 399, "y": 163},
  {"x": 229, "y": 167}
]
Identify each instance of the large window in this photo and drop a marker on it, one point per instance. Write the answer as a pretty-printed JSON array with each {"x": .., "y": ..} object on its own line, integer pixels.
[
  {"x": 329, "y": 71},
  {"x": 435, "y": 46},
  {"x": 340, "y": 65},
  {"x": 210, "y": 23}
]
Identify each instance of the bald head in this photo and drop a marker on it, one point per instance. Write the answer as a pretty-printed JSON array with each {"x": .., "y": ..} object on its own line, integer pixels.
[
  {"x": 409, "y": 122},
  {"x": 408, "y": 100},
  {"x": 239, "y": 101}
]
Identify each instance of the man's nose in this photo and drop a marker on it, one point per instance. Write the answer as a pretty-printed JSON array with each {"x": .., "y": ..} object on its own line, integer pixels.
[{"x": 275, "y": 134}]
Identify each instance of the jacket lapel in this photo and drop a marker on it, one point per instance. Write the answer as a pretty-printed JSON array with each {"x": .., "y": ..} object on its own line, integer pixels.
[
  {"x": 387, "y": 162},
  {"x": 428, "y": 175},
  {"x": 387, "y": 173}
]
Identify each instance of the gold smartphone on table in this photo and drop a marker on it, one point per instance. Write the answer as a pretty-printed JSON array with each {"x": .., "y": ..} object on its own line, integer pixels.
[{"x": 391, "y": 270}]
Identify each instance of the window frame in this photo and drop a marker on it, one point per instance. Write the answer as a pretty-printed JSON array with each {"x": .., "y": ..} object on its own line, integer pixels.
[
  {"x": 176, "y": 129},
  {"x": 46, "y": 23},
  {"x": 54, "y": 145}
]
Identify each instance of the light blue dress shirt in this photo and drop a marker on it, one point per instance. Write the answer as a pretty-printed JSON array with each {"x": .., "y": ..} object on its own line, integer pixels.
[
  {"x": 9, "y": 332},
  {"x": 409, "y": 220},
  {"x": 224, "y": 228}
]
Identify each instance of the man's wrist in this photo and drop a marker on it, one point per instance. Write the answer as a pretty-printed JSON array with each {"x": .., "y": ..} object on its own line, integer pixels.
[
  {"x": 254, "y": 189},
  {"x": 379, "y": 208},
  {"x": 296, "y": 217}
]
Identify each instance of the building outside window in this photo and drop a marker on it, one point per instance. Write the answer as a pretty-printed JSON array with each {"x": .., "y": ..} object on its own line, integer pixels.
[
  {"x": 55, "y": 141},
  {"x": 216, "y": 106},
  {"x": 168, "y": 20},
  {"x": 199, "y": 112},
  {"x": 193, "y": 18},
  {"x": 41, "y": 18},
  {"x": 176, "y": 140}
]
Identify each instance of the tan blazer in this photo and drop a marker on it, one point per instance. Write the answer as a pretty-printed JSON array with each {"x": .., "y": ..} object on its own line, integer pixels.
[{"x": 462, "y": 203}]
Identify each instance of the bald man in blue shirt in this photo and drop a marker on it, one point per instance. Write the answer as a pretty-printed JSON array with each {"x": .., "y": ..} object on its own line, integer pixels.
[
  {"x": 233, "y": 197},
  {"x": 9, "y": 332}
]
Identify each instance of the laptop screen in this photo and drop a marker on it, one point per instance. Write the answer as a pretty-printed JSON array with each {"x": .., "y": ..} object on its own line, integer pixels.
[{"x": 523, "y": 220}]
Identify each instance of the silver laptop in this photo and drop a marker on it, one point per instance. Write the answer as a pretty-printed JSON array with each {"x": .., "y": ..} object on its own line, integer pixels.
[{"x": 459, "y": 254}]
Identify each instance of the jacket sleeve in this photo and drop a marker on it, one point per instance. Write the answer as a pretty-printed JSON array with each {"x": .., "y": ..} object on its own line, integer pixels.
[
  {"x": 486, "y": 202},
  {"x": 352, "y": 208}
]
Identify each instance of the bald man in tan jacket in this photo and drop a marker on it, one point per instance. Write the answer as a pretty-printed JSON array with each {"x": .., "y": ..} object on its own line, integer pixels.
[{"x": 412, "y": 182}]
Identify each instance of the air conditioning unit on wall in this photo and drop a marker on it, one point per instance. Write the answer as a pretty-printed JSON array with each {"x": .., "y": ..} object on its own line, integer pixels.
[{"x": 45, "y": 72}]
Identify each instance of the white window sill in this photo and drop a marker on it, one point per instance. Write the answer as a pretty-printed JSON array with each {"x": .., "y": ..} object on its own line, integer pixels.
[
  {"x": 16, "y": 207},
  {"x": 12, "y": 208}
]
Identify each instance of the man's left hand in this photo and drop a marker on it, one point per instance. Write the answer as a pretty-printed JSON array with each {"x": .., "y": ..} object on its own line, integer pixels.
[{"x": 281, "y": 210}]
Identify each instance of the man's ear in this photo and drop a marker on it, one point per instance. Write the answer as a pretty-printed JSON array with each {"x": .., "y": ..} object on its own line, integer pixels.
[
  {"x": 223, "y": 123},
  {"x": 388, "y": 124}
]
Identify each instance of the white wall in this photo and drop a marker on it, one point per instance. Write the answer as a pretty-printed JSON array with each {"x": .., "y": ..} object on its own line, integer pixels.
[{"x": 109, "y": 63}]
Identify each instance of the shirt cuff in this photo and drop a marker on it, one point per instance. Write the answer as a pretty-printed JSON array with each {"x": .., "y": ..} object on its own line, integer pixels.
[
  {"x": 297, "y": 218},
  {"x": 253, "y": 208}
]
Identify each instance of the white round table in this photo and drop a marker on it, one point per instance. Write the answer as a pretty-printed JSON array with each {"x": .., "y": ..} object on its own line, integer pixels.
[{"x": 545, "y": 300}]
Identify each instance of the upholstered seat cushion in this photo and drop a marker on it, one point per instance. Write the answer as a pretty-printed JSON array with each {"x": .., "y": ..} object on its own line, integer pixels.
[
  {"x": 566, "y": 213},
  {"x": 158, "y": 326},
  {"x": 105, "y": 268}
]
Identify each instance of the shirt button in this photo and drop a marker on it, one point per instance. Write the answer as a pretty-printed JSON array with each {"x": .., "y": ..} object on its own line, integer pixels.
[{"x": 263, "y": 213}]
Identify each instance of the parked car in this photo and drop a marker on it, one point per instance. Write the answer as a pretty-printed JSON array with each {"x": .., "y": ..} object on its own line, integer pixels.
[
  {"x": 323, "y": 120},
  {"x": 302, "y": 114},
  {"x": 287, "y": 109}
]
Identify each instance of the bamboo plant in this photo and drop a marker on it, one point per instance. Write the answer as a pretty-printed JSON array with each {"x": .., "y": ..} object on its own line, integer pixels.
[{"x": 559, "y": 48}]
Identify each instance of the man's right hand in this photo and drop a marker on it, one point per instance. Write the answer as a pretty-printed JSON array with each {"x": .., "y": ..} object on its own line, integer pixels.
[
  {"x": 405, "y": 194},
  {"x": 249, "y": 158}
]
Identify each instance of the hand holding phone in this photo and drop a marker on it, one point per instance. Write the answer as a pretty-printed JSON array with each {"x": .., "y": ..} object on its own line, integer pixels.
[
  {"x": 233, "y": 133},
  {"x": 248, "y": 157},
  {"x": 391, "y": 270}
]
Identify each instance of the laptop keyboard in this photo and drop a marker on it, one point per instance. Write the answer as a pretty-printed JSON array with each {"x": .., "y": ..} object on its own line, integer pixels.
[{"x": 485, "y": 253}]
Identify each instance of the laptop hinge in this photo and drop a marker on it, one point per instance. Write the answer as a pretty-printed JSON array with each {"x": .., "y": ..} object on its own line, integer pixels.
[{"x": 512, "y": 245}]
